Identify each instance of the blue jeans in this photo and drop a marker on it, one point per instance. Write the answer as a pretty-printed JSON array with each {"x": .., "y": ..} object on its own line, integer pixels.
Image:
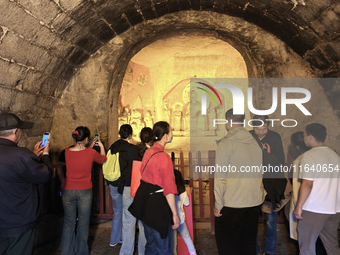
[
  {"x": 117, "y": 206},
  {"x": 76, "y": 201},
  {"x": 184, "y": 231},
  {"x": 129, "y": 225},
  {"x": 269, "y": 233},
  {"x": 141, "y": 239},
  {"x": 155, "y": 245}
]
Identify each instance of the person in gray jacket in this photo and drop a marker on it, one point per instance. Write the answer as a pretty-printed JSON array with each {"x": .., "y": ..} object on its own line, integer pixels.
[
  {"x": 21, "y": 171},
  {"x": 238, "y": 189}
]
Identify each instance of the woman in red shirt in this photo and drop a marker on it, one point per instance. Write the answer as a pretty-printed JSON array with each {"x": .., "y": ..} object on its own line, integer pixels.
[
  {"x": 158, "y": 174},
  {"x": 77, "y": 194}
]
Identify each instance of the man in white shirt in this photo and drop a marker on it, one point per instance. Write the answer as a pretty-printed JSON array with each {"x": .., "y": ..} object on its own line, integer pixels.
[{"x": 318, "y": 206}]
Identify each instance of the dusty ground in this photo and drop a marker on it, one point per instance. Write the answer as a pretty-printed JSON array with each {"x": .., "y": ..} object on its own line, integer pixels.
[{"x": 50, "y": 227}]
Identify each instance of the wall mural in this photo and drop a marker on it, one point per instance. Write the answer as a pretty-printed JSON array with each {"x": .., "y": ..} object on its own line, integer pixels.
[
  {"x": 136, "y": 103},
  {"x": 137, "y": 107}
]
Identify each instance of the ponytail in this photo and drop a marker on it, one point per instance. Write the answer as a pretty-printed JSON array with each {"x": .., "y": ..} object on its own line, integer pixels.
[{"x": 81, "y": 133}]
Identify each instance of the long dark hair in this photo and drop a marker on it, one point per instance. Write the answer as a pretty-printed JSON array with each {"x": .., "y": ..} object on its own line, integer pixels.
[
  {"x": 125, "y": 130},
  {"x": 297, "y": 140},
  {"x": 145, "y": 137},
  {"x": 160, "y": 129},
  {"x": 179, "y": 181},
  {"x": 81, "y": 133}
]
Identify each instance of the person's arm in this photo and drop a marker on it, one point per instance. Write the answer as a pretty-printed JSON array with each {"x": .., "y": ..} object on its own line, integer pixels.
[
  {"x": 60, "y": 173},
  {"x": 100, "y": 157},
  {"x": 45, "y": 158},
  {"x": 166, "y": 171},
  {"x": 222, "y": 159},
  {"x": 101, "y": 146},
  {"x": 164, "y": 163},
  {"x": 37, "y": 171},
  {"x": 305, "y": 190},
  {"x": 60, "y": 168},
  {"x": 172, "y": 203}
]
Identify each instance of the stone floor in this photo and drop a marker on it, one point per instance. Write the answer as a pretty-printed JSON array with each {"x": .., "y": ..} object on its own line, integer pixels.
[{"x": 50, "y": 227}]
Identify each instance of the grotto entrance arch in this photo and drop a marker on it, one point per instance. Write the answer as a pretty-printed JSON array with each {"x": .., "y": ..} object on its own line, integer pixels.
[
  {"x": 179, "y": 52},
  {"x": 156, "y": 84}
]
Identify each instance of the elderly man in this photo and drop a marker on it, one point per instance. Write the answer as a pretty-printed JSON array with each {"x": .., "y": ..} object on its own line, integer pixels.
[{"x": 20, "y": 172}]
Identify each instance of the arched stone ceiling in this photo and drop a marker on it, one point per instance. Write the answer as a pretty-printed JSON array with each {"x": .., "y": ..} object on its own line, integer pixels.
[
  {"x": 72, "y": 30},
  {"x": 43, "y": 42}
]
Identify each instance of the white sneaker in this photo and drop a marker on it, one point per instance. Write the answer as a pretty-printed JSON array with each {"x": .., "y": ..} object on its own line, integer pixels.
[{"x": 115, "y": 244}]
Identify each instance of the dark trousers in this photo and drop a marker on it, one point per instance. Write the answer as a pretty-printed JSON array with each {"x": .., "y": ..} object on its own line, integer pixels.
[
  {"x": 236, "y": 230},
  {"x": 22, "y": 244},
  {"x": 155, "y": 245}
]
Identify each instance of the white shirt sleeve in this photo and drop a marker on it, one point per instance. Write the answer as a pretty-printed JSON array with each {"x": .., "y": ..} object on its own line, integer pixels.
[{"x": 185, "y": 198}]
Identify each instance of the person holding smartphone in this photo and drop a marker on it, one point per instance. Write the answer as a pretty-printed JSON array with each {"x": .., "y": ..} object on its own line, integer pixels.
[
  {"x": 77, "y": 194},
  {"x": 21, "y": 173}
]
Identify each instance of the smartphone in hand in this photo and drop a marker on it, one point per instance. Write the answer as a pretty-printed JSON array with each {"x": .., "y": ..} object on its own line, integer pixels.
[
  {"x": 96, "y": 138},
  {"x": 46, "y": 136}
]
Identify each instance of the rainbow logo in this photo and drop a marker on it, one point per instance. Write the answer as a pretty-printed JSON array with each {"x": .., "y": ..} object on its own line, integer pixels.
[{"x": 208, "y": 92}]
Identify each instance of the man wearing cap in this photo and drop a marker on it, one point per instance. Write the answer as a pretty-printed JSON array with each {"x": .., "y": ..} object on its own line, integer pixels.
[{"x": 20, "y": 173}]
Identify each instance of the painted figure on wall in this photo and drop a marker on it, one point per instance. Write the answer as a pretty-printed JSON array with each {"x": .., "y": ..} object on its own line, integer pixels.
[
  {"x": 196, "y": 120},
  {"x": 148, "y": 119},
  {"x": 167, "y": 112},
  {"x": 177, "y": 117},
  {"x": 124, "y": 116}
]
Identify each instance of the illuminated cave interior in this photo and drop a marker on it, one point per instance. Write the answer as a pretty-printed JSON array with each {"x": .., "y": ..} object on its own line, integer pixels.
[{"x": 156, "y": 85}]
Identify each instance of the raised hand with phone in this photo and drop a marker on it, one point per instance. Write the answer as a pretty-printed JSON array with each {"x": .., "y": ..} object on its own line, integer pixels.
[
  {"x": 96, "y": 141},
  {"x": 42, "y": 146},
  {"x": 96, "y": 138}
]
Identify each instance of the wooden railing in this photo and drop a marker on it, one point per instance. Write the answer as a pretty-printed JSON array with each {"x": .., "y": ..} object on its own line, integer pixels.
[
  {"x": 200, "y": 215},
  {"x": 102, "y": 206},
  {"x": 202, "y": 189}
]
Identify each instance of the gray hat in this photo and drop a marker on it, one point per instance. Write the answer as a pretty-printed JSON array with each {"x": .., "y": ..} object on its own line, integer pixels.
[{"x": 11, "y": 121}]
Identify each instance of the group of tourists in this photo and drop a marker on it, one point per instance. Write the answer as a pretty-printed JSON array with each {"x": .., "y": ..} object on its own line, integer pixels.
[
  {"x": 158, "y": 202},
  {"x": 158, "y": 191},
  {"x": 156, "y": 208},
  {"x": 240, "y": 196},
  {"x": 153, "y": 212}
]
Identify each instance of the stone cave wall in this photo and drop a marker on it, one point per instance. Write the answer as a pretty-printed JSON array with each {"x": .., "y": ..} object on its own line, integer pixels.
[
  {"x": 264, "y": 54},
  {"x": 42, "y": 43}
]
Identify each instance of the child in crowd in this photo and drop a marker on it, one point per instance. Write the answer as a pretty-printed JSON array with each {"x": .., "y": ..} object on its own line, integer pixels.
[{"x": 181, "y": 200}]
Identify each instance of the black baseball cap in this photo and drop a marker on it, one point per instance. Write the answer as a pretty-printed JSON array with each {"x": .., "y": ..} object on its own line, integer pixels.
[{"x": 11, "y": 121}]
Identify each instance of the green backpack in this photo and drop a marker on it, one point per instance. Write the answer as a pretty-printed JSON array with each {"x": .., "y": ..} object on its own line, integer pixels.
[{"x": 111, "y": 168}]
